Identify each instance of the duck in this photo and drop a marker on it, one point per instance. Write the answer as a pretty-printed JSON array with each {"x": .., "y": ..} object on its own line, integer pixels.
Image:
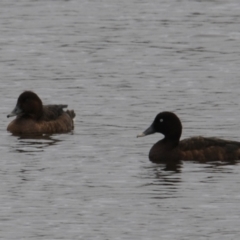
[
  {"x": 32, "y": 117},
  {"x": 171, "y": 149}
]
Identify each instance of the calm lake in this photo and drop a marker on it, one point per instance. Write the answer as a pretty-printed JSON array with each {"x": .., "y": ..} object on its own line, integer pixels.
[{"x": 118, "y": 64}]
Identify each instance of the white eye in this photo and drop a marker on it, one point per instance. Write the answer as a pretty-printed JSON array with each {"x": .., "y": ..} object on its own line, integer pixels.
[{"x": 161, "y": 120}]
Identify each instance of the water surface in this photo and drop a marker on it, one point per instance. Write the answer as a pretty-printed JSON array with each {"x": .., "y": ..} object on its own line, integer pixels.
[{"x": 118, "y": 64}]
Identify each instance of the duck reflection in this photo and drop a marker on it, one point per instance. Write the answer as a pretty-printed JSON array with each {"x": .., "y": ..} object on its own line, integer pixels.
[
  {"x": 168, "y": 175},
  {"x": 164, "y": 183},
  {"x": 175, "y": 167},
  {"x": 34, "y": 143},
  {"x": 220, "y": 167}
]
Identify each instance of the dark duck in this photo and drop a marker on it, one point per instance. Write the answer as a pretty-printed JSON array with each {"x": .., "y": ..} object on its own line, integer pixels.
[
  {"x": 32, "y": 117},
  {"x": 202, "y": 149}
]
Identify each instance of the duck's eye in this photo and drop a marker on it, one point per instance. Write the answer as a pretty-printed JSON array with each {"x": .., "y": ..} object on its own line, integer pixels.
[{"x": 161, "y": 120}]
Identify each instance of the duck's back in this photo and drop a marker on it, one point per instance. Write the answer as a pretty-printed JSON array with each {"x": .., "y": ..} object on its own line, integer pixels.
[
  {"x": 209, "y": 149},
  {"x": 52, "y": 112},
  {"x": 55, "y": 119}
]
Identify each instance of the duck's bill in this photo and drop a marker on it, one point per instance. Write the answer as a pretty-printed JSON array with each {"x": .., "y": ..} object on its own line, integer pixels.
[
  {"x": 148, "y": 131},
  {"x": 16, "y": 111}
]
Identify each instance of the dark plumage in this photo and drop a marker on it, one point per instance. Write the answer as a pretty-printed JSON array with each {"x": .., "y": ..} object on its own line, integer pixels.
[
  {"x": 170, "y": 149},
  {"x": 33, "y": 117}
]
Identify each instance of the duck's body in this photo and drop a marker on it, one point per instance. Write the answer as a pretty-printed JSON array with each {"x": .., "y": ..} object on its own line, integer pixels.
[
  {"x": 34, "y": 118},
  {"x": 196, "y": 148},
  {"x": 202, "y": 149}
]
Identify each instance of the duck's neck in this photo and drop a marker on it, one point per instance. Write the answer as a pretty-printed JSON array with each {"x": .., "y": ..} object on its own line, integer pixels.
[
  {"x": 36, "y": 114},
  {"x": 173, "y": 142}
]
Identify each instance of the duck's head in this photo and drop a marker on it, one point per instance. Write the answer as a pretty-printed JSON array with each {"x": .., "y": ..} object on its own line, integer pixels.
[
  {"x": 28, "y": 104},
  {"x": 166, "y": 123}
]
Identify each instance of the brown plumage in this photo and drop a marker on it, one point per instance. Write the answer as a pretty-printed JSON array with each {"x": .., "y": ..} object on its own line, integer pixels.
[
  {"x": 170, "y": 149},
  {"x": 32, "y": 117}
]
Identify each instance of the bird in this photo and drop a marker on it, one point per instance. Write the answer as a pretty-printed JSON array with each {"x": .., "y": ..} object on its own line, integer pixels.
[
  {"x": 32, "y": 117},
  {"x": 171, "y": 149}
]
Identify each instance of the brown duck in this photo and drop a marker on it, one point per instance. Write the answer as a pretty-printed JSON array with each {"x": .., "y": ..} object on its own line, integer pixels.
[
  {"x": 202, "y": 149},
  {"x": 32, "y": 117}
]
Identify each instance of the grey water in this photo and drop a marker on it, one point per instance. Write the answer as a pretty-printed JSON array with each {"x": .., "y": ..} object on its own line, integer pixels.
[{"x": 118, "y": 64}]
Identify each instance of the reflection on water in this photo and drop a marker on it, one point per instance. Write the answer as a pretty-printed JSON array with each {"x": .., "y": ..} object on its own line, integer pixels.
[
  {"x": 176, "y": 167},
  {"x": 220, "y": 167},
  {"x": 161, "y": 184},
  {"x": 34, "y": 143},
  {"x": 160, "y": 176},
  {"x": 25, "y": 174}
]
